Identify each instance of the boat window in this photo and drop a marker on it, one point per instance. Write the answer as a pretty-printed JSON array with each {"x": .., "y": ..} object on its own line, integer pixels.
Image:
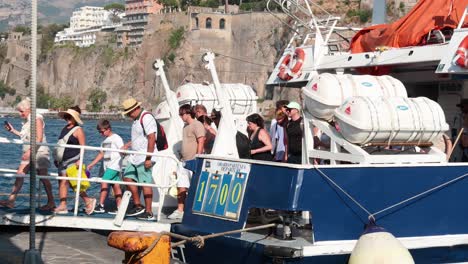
[
  {"x": 222, "y": 23},
  {"x": 208, "y": 22}
]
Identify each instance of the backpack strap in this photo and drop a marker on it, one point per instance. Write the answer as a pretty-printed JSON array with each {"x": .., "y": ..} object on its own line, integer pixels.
[
  {"x": 68, "y": 135},
  {"x": 141, "y": 120}
]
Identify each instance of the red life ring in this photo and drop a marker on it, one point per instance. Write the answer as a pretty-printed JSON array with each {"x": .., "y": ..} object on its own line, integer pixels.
[
  {"x": 286, "y": 73},
  {"x": 461, "y": 53}
]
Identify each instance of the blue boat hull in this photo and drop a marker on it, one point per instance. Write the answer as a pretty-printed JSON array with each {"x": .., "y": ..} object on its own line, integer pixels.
[
  {"x": 231, "y": 250},
  {"x": 421, "y": 201}
]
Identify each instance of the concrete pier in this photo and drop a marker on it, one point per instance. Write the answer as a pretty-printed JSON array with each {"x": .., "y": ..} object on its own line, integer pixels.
[{"x": 57, "y": 246}]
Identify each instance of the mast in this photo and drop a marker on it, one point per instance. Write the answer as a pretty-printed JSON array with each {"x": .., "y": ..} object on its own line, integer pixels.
[
  {"x": 227, "y": 128},
  {"x": 32, "y": 255}
]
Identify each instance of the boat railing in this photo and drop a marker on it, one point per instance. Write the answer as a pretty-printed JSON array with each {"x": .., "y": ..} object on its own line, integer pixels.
[{"x": 165, "y": 162}]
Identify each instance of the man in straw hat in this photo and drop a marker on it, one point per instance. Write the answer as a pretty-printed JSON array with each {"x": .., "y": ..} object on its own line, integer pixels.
[{"x": 144, "y": 129}]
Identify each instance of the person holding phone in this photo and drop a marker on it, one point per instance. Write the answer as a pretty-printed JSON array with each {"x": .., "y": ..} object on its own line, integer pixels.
[{"x": 42, "y": 155}]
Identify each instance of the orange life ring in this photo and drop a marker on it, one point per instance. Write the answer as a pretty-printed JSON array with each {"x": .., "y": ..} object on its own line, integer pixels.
[
  {"x": 286, "y": 73},
  {"x": 461, "y": 53}
]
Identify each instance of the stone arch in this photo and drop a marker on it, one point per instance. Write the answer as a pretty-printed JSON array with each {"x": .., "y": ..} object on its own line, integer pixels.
[{"x": 208, "y": 22}]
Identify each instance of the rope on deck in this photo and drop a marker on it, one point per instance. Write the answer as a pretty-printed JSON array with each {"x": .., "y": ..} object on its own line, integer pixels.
[{"x": 198, "y": 241}]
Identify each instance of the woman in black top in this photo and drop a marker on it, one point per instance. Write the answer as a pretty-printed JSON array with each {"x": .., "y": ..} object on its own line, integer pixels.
[
  {"x": 71, "y": 157},
  {"x": 260, "y": 141}
]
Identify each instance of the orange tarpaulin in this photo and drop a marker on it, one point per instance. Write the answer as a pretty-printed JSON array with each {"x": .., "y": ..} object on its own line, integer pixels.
[{"x": 412, "y": 29}]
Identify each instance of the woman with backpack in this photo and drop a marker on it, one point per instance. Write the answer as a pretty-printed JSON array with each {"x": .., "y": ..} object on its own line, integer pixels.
[
  {"x": 71, "y": 134},
  {"x": 42, "y": 156}
]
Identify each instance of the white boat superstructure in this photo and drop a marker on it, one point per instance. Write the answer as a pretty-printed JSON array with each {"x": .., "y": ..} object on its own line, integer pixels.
[{"x": 326, "y": 48}]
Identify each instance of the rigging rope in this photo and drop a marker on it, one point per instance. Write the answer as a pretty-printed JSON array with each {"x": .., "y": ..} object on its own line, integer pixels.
[
  {"x": 199, "y": 241},
  {"x": 371, "y": 216}
]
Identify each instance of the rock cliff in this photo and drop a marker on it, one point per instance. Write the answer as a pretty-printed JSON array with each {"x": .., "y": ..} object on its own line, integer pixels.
[{"x": 248, "y": 47}]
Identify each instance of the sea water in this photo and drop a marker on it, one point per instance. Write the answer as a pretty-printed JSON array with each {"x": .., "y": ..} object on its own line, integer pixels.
[{"x": 10, "y": 154}]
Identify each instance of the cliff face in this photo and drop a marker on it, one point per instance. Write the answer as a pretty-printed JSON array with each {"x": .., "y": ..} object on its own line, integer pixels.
[{"x": 248, "y": 47}]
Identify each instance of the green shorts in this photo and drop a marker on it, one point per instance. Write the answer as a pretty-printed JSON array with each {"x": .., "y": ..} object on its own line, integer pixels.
[
  {"x": 138, "y": 173},
  {"x": 111, "y": 175}
]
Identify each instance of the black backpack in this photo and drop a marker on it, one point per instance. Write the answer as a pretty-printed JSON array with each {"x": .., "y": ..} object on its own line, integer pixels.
[
  {"x": 243, "y": 145},
  {"x": 161, "y": 140}
]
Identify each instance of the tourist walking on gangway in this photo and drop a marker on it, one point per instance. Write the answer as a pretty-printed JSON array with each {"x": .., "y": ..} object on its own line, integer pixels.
[
  {"x": 193, "y": 143},
  {"x": 71, "y": 134},
  {"x": 112, "y": 164},
  {"x": 42, "y": 156},
  {"x": 144, "y": 133}
]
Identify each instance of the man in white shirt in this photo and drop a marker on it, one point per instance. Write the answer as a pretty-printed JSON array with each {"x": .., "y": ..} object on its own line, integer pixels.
[{"x": 144, "y": 129}]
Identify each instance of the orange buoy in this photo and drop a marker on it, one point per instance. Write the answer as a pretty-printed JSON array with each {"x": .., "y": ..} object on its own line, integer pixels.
[
  {"x": 287, "y": 73},
  {"x": 461, "y": 53},
  {"x": 133, "y": 243}
]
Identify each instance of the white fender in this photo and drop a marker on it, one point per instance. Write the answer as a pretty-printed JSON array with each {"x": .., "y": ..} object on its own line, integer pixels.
[{"x": 378, "y": 246}]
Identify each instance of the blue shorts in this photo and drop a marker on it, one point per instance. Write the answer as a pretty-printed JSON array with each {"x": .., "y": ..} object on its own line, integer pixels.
[
  {"x": 111, "y": 175},
  {"x": 138, "y": 173}
]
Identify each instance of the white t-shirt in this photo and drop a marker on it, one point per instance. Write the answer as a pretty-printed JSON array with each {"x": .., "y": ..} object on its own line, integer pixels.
[
  {"x": 139, "y": 138},
  {"x": 112, "y": 160}
]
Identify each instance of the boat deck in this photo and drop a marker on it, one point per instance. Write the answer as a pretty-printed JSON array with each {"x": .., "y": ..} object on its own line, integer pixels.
[{"x": 19, "y": 216}]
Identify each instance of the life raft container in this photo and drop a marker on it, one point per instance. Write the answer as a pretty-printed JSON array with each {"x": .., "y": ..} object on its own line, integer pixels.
[
  {"x": 286, "y": 73},
  {"x": 461, "y": 54},
  {"x": 363, "y": 120}
]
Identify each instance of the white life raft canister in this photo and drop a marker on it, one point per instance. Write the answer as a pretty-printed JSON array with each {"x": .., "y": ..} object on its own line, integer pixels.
[
  {"x": 326, "y": 92},
  {"x": 242, "y": 97},
  {"x": 364, "y": 120}
]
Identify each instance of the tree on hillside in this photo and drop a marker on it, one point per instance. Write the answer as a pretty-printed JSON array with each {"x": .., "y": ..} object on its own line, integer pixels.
[
  {"x": 115, "y": 9},
  {"x": 48, "y": 35},
  {"x": 26, "y": 30},
  {"x": 96, "y": 100}
]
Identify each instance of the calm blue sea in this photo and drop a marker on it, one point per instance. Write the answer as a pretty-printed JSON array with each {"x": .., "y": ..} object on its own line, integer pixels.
[{"x": 10, "y": 154}]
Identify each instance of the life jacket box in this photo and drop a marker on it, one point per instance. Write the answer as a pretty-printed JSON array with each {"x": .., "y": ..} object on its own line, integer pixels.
[
  {"x": 363, "y": 120},
  {"x": 326, "y": 92},
  {"x": 242, "y": 97}
]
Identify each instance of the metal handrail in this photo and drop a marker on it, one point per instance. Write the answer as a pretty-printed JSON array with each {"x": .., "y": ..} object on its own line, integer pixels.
[{"x": 80, "y": 167}]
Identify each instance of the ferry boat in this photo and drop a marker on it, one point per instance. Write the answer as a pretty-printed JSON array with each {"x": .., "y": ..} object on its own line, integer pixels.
[
  {"x": 318, "y": 211},
  {"x": 372, "y": 174}
]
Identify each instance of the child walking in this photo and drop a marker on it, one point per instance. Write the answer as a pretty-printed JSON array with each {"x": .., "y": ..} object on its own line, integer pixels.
[{"x": 112, "y": 164}]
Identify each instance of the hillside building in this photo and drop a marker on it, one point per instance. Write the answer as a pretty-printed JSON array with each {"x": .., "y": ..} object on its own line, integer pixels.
[
  {"x": 136, "y": 18},
  {"x": 84, "y": 24},
  {"x": 89, "y": 17}
]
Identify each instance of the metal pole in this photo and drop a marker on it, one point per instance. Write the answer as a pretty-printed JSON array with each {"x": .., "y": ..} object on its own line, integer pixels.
[
  {"x": 32, "y": 255},
  {"x": 379, "y": 12}
]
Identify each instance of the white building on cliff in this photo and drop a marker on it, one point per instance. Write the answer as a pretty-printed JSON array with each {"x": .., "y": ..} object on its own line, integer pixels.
[
  {"x": 85, "y": 22},
  {"x": 89, "y": 17}
]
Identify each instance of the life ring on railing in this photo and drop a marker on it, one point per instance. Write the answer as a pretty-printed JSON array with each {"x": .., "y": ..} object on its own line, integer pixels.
[
  {"x": 461, "y": 54},
  {"x": 286, "y": 73}
]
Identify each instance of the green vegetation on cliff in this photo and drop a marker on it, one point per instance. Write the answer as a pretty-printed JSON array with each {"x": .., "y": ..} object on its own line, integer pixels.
[
  {"x": 50, "y": 102},
  {"x": 96, "y": 100},
  {"x": 4, "y": 90}
]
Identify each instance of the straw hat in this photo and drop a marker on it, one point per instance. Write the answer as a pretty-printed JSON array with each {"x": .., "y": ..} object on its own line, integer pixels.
[
  {"x": 73, "y": 114},
  {"x": 128, "y": 105}
]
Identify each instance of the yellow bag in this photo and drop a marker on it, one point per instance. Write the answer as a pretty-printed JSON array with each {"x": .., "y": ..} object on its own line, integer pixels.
[{"x": 72, "y": 172}]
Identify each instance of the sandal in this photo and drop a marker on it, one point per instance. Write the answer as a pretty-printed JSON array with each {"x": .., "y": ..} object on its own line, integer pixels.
[
  {"x": 61, "y": 210},
  {"x": 47, "y": 207},
  {"x": 7, "y": 204},
  {"x": 90, "y": 206}
]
